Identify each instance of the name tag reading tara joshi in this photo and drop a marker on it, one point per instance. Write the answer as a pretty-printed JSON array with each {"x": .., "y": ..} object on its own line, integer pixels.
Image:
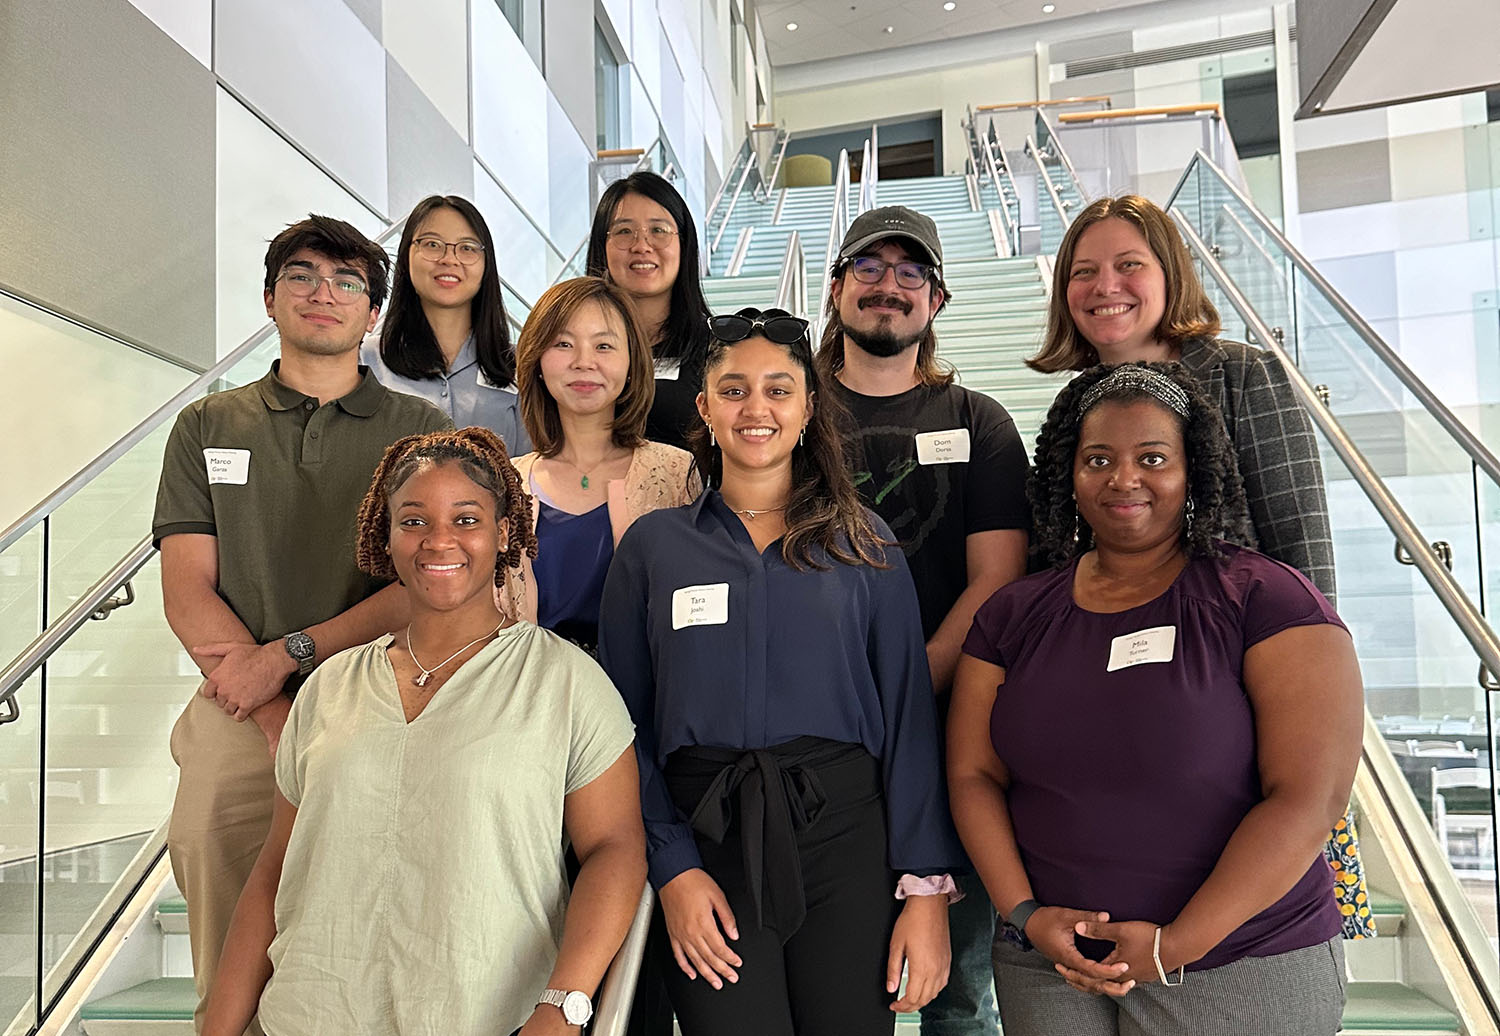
[
  {"x": 704, "y": 605},
  {"x": 1151, "y": 645}
]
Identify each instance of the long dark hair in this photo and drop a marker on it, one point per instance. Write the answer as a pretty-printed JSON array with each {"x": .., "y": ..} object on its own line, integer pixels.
[
  {"x": 824, "y": 514},
  {"x": 1213, "y": 489},
  {"x": 684, "y": 337},
  {"x": 407, "y": 344}
]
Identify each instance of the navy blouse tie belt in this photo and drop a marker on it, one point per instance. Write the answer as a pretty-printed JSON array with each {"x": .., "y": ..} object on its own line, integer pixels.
[{"x": 780, "y": 792}]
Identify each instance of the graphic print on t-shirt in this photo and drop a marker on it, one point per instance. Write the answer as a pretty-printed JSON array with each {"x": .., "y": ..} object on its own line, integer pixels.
[{"x": 911, "y": 497}]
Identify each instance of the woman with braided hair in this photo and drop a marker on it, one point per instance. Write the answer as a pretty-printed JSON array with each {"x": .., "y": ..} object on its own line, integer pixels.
[
  {"x": 1148, "y": 743},
  {"x": 427, "y": 783}
]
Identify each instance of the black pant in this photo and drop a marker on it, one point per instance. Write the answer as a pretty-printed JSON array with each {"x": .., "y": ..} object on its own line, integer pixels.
[{"x": 826, "y": 977}]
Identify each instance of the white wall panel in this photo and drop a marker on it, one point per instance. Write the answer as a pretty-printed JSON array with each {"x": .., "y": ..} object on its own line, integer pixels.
[
  {"x": 510, "y": 110},
  {"x": 1443, "y": 280},
  {"x": 676, "y": 21},
  {"x": 617, "y": 13},
  {"x": 426, "y": 155},
  {"x": 279, "y": 53},
  {"x": 568, "y": 171},
  {"x": 189, "y": 22},
  {"x": 431, "y": 40},
  {"x": 263, "y": 185},
  {"x": 522, "y": 257},
  {"x": 643, "y": 117},
  {"x": 645, "y": 54},
  {"x": 673, "y": 106},
  {"x": 568, "y": 36}
]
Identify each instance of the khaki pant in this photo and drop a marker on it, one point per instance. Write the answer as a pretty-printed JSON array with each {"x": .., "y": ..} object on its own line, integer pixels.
[{"x": 219, "y": 822}]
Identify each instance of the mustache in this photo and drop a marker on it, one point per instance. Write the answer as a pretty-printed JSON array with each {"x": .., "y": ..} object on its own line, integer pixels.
[{"x": 885, "y": 300}]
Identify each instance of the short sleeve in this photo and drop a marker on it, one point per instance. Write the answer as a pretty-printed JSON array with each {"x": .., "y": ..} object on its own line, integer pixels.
[
  {"x": 1277, "y": 597},
  {"x": 289, "y": 748},
  {"x": 996, "y": 479},
  {"x": 183, "y": 503},
  {"x": 991, "y": 622},
  {"x": 599, "y": 727},
  {"x": 434, "y": 420}
]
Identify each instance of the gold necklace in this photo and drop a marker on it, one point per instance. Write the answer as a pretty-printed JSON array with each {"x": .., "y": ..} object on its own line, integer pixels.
[{"x": 421, "y": 681}]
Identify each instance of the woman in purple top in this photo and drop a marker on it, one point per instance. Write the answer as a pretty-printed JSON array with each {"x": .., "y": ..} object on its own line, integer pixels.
[{"x": 1149, "y": 742}]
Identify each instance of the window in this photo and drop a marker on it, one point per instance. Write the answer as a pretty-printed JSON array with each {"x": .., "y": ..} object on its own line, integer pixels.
[
  {"x": 606, "y": 93},
  {"x": 525, "y": 17},
  {"x": 736, "y": 31}
]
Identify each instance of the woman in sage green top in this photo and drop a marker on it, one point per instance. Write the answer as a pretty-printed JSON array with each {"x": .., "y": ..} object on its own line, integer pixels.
[{"x": 413, "y": 879}]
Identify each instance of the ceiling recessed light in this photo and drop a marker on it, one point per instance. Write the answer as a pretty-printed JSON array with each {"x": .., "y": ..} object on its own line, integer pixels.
[
  {"x": 950, "y": 5},
  {"x": 1048, "y": 8},
  {"x": 890, "y": 29},
  {"x": 791, "y": 26}
]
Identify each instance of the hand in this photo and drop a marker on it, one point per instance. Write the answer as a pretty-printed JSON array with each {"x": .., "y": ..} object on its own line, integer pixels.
[
  {"x": 271, "y": 717},
  {"x": 1132, "y": 953},
  {"x": 246, "y": 676},
  {"x": 547, "y": 1020},
  {"x": 689, "y": 903},
  {"x": 1051, "y": 931},
  {"x": 920, "y": 939}
]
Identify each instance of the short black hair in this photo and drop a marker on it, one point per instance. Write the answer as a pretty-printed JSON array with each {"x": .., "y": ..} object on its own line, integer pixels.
[
  {"x": 337, "y": 240},
  {"x": 1214, "y": 487}
]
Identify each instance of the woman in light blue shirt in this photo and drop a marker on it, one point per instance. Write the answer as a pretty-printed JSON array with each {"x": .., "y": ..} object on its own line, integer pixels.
[{"x": 445, "y": 336}]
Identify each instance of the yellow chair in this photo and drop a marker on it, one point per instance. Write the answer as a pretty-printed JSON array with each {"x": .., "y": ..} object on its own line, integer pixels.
[{"x": 806, "y": 171}]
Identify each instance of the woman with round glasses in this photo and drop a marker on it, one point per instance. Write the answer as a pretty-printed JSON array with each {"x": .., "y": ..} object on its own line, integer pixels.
[
  {"x": 445, "y": 336},
  {"x": 584, "y": 372},
  {"x": 643, "y": 239},
  {"x": 1149, "y": 741},
  {"x": 767, "y": 643}
]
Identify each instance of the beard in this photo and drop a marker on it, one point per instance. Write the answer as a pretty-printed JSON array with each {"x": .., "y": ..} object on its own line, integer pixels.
[{"x": 881, "y": 339}]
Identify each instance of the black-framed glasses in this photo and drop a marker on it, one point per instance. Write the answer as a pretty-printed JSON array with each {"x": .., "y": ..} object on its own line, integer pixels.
[
  {"x": 625, "y": 236},
  {"x": 467, "y": 252},
  {"x": 783, "y": 329},
  {"x": 304, "y": 283},
  {"x": 869, "y": 269}
]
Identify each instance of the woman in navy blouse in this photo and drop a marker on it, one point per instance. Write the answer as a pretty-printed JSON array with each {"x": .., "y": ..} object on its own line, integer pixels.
[
  {"x": 1149, "y": 742},
  {"x": 767, "y": 642}
]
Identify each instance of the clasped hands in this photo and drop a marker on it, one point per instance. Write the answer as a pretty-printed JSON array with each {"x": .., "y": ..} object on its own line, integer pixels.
[
  {"x": 1051, "y": 931},
  {"x": 245, "y": 677}
]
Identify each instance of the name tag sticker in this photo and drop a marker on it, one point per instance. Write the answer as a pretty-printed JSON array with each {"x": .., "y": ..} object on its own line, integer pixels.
[
  {"x": 228, "y": 466},
  {"x": 705, "y": 605},
  {"x": 667, "y": 369},
  {"x": 1156, "y": 644},
  {"x": 951, "y": 447},
  {"x": 485, "y": 381}
]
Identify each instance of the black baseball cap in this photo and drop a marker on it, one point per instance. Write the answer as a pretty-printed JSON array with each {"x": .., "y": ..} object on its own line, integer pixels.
[{"x": 893, "y": 221}]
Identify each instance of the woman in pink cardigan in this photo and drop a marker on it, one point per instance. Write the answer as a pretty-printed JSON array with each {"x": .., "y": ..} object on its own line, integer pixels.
[{"x": 586, "y": 384}]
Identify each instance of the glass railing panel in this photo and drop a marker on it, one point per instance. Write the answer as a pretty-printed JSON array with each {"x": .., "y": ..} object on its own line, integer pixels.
[
  {"x": 114, "y": 689},
  {"x": 20, "y": 761}
]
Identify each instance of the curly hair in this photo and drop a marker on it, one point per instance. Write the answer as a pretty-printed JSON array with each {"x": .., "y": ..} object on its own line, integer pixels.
[
  {"x": 481, "y": 455},
  {"x": 824, "y": 514},
  {"x": 1214, "y": 490}
]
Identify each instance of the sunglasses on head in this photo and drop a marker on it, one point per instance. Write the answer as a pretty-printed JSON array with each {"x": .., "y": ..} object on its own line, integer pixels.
[{"x": 783, "y": 329}]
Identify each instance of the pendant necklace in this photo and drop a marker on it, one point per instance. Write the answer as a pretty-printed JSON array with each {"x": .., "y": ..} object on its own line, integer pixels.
[
  {"x": 421, "y": 681},
  {"x": 746, "y": 512},
  {"x": 584, "y": 481}
]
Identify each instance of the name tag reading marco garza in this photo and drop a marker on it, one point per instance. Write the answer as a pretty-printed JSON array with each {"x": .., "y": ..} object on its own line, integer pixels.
[
  {"x": 950, "y": 447},
  {"x": 1156, "y": 644},
  {"x": 226, "y": 465},
  {"x": 704, "y": 605}
]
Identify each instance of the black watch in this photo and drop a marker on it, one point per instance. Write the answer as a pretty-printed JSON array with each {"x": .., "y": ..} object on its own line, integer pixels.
[
  {"x": 302, "y": 651},
  {"x": 1013, "y": 928}
]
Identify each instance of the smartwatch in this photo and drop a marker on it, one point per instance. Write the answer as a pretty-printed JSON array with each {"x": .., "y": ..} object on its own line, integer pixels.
[
  {"x": 576, "y": 1007},
  {"x": 1013, "y": 928},
  {"x": 302, "y": 651}
]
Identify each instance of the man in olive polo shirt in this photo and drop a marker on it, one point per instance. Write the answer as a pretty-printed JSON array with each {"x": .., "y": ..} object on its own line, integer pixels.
[{"x": 255, "y": 518}]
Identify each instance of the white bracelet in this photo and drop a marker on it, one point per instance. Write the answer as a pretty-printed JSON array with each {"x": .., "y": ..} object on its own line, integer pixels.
[{"x": 1156, "y": 956}]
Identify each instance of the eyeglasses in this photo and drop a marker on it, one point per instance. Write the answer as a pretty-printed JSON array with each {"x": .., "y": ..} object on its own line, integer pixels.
[
  {"x": 869, "y": 270},
  {"x": 782, "y": 329},
  {"x": 626, "y": 236},
  {"x": 304, "y": 283},
  {"x": 435, "y": 248}
]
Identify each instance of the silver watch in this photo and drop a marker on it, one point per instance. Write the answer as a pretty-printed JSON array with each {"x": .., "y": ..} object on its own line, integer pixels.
[
  {"x": 576, "y": 1007},
  {"x": 302, "y": 651}
]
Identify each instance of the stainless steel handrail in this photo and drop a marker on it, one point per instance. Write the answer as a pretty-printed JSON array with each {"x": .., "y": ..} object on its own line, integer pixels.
[
  {"x": 1455, "y": 601},
  {"x": 785, "y": 139},
  {"x": 1041, "y": 169},
  {"x": 618, "y": 988},
  {"x": 1012, "y": 231},
  {"x": 713, "y": 206},
  {"x": 733, "y": 200},
  {"x": 864, "y": 179},
  {"x": 1061, "y": 153},
  {"x": 839, "y": 220},
  {"x": 791, "y": 286},
  {"x": 1466, "y": 439}
]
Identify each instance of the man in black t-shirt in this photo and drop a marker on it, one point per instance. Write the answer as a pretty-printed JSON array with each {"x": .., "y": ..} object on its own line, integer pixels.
[{"x": 945, "y": 468}]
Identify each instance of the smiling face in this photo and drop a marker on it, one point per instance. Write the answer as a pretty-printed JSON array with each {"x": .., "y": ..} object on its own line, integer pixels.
[
  {"x": 1117, "y": 292},
  {"x": 445, "y": 536},
  {"x": 320, "y": 324},
  {"x": 445, "y": 282},
  {"x": 1130, "y": 475},
  {"x": 648, "y": 267},
  {"x": 756, "y": 403},
  {"x": 884, "y": 318},
  {"x": 585, "y": 366}
]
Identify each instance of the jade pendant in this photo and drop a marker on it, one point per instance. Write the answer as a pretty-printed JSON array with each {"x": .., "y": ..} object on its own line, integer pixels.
[{"x": 584, "y": 481}]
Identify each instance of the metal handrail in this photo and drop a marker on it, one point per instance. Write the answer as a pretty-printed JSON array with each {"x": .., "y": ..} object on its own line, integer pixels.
[
  {"x": 1062, "y": 153},
  {"x": 618, "y": 989},
  {"x": 864, "y": 179},
  {"x": 1452, "y": 596},
  {"x": 733, "y": 200},
  {"x": 785, "y": 139},
  {"x": 1013, "y": 232},
  {"x": 1041, "y": 168},
  {"x": 713, "y": 206},
  {"x": 840, "y": 216},
  {"x": 791, "y": 286},
  {"x": 1466, "y": 439}
]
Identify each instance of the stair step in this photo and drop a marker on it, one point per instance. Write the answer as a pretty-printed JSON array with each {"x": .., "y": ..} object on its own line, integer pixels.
[
  {"x": 158, "y": 1000},
  {"x": 171, "y": 916},
  {"x": 1390, "y": 1007}
]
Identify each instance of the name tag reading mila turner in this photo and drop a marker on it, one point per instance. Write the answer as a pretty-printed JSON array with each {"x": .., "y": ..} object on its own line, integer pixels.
[
  {"x": 950, "y": 447},
  {"x": 1153, "y": 645},
  {"x": 225, "y": 465},
  {"x": 705, "y": 605}
]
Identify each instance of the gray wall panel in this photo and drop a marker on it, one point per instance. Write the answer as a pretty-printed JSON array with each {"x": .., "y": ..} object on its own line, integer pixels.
[
  {"x": 369, "y": 12},
  {"x": 107, "y": 172},
  {"x": 569, "y": 39},
  {"x": 424, "y": 154}
]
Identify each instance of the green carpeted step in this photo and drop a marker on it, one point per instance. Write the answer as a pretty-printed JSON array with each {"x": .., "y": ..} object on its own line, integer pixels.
[
  {"x": 160, "y": 999},
  {"x": 1392, "y": 1007}
]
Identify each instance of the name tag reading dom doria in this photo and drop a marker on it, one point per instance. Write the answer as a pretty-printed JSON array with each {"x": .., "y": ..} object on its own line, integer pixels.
[
  {"x": 1152, "y": 645},
  {"x": 705, "y": 605},
  {"x": 229, "y": 466},
  {"x": 950, "y": 447}
]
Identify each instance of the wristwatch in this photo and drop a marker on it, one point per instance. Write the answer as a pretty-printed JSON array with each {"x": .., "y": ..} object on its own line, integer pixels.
[
  {"x": 303, "y": 651},
  {"x": 576, "y": 1007},
  {"x": 1013, "y": 928}
]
